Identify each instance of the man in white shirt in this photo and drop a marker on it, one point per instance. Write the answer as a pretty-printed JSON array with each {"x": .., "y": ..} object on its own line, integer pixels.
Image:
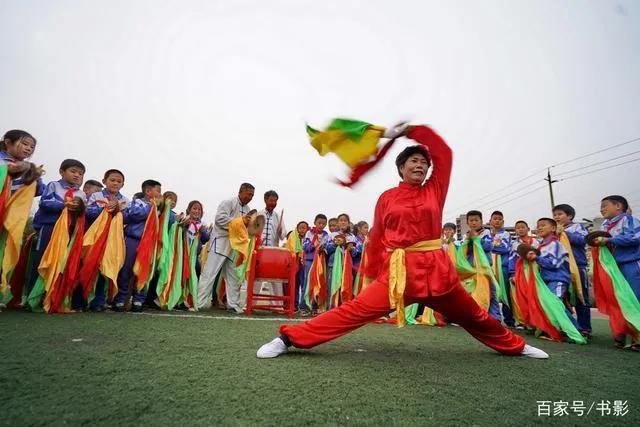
[
  {"x": 219, "y": 258},
  {"x": 273, "y": 232}
]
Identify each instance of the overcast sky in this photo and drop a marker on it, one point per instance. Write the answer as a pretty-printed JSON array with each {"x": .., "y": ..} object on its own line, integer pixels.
[{"x": 203, "y": 95}]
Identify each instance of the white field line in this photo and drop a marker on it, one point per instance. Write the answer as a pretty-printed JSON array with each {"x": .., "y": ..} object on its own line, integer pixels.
[{"x": 239, "y": 317}]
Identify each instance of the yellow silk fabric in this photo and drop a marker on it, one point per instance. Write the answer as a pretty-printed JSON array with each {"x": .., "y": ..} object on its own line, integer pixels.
[
  {"x": 573, "y": 266},
  {"x": 16, "y": 214},
  {"x": 351, "y": 152},
  {"x": 398, "y": 274}
]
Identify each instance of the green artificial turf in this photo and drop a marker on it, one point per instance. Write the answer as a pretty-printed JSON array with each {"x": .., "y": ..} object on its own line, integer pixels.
[{"x": 125, "y": 369}]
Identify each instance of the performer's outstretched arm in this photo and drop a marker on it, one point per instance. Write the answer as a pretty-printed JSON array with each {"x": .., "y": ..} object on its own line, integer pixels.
[{"x": 441, "y": 157}]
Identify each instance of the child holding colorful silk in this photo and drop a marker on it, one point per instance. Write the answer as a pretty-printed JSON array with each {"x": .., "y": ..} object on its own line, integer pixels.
[
  {"x": 302, "y": 228},
  {"x": 477, "y": 231},
  {"x": 500, "y": 249},
  {"x": 110, "y": 199},
  {"x": 58, "y": 195},
  {"x": 136, "y": 215},
  {"x": 20, "y": 185},
  {"x": 344, "y": 242},
  {"x": 313, "y": 248},
  {"x": 618, "y": 297},
  {"x": 553, "y": 261},
  {"x": 195, "y": 228},
  {"x": 576, "y": 234}
]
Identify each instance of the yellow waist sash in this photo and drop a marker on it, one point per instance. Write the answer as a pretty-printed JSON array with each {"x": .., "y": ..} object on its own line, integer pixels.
[{"x": 398, "y": 274}]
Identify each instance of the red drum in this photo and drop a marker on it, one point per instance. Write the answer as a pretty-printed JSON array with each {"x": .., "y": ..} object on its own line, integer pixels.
[{"x": 273, "y": 263}]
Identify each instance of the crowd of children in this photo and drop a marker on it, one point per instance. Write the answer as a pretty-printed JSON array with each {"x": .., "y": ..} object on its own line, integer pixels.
[
  {"x": 93, "y": 248},
  {"x": 541, "y": 281}
]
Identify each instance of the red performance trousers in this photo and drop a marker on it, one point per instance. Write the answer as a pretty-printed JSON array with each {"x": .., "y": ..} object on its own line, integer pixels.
[{"x": 457, "y": 306}]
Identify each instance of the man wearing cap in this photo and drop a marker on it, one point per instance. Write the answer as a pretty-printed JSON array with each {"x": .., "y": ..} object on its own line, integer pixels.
[{"x": 219, "y": 257}]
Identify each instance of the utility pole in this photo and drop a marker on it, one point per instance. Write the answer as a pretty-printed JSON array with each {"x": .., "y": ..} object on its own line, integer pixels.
[{"x": 551, "y": 182}]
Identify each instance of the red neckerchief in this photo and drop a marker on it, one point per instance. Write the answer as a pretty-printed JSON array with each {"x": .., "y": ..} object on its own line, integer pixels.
[
  {"x": 315, "y": 234},
  {"x": 545, "y": 243},
  {"x": 610, "y": 226},
  {"x": 527, "y": 240}
]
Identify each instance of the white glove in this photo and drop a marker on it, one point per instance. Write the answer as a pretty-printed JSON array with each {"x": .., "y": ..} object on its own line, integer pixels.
[{"x": 397, "y": 130}]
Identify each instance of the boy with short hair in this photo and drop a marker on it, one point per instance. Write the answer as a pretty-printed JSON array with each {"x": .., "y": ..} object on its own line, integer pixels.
[
  {"x": 91, "y": 186},
  {"x": 576, "y": 234},
  {"x": 112, "y": 200},
  {"x": 500, "y": 249},
  {"x": 57, "y": 195},
  {"x": 477, "y": 231},
  {"x": 136, "y": 216},
  {"x": 625, "y": 238},
  {"x": 333, "y": 225},
  {"x": 553, "y": 262}
]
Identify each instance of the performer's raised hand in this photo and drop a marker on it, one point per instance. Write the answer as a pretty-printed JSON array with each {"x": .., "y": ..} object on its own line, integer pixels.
[{"x": 396, "y": 131}]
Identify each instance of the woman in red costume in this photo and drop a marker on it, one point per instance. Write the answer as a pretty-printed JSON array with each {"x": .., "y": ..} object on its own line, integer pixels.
[{"x": 407, "y": 261}]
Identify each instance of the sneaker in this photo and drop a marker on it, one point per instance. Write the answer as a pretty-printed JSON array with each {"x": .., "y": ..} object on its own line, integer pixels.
[
  {"x": 97, "y": 309},
  {"x": 136, "y": 308},
  {"x": 119, "y": 308},
  {"x": 233, "y": 312},
  {"x": 535, "y": 353},
  {"x": 272, "y": 349}
]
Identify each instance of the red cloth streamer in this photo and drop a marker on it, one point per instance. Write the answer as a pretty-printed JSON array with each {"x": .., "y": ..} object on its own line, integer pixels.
[
  {"x": 521, "y": 294},
  {"x": 147, "y": 247},
  {"x": 362, "y": 169},
  {"x": 68, "y": 280},
  {"x": 537, "y": 316},
  {"x": 19, "y": 275},
  {"x": 606, "y": 298},
  {"x": 91, "y": 266},
  {"x": 347, "y": 278}
]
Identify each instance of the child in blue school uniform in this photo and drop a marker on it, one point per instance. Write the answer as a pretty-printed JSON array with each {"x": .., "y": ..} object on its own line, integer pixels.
[
  {"x": 477, "y": 231},
  {"x": 500, "y": 250},
  {"x": 57, "y": 195},
  {"x": 110, "y": 198},
  {"x": 577, "y": 233},
  {"x": 136, "y": 216}
]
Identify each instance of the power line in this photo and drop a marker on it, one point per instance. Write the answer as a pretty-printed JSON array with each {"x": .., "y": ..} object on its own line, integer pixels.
[
  {"x": 525, "y": 194},
  {"x": 598, "y": 170},
  {"x": 509, "y": 195},
  {"x": 598, "y": 163},
  {"x": 498, "y": 191},
  {"x": 596, "y": 152}
]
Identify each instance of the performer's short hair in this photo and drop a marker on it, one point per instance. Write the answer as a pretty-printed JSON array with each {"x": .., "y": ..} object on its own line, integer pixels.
[
  {"x": 270, "y": 193},
  {"x": 410, "y": 151},
  {"x": 497, "y": 213},
  {"x": 618, "y": 199},
  {"x": 520, "y": 221}
]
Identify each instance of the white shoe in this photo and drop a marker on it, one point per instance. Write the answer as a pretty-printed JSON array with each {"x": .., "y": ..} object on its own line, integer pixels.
[
  {"x": 533, "y": 352},
  {"x": 272, "y": 349}
]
